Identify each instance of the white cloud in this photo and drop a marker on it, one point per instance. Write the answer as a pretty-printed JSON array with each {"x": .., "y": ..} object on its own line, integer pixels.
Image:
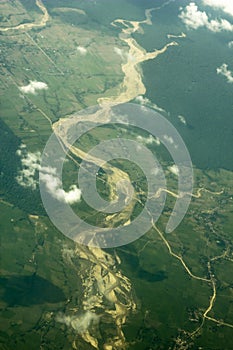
[
  {"x": 119, "y": 52},
  {"x": 168, "y": 139},
  {"x": 174, "y": 169},
  {"x": 33, "y": 86},
  {"x": 225, "y": 5},
  {"x": 79, "y": 323},
  {"x": 30, "y": 165},
  {"x": 27, "y": 177},
  {"x": 194, "y": 19},
  {"x": 142, "y": 100},
  {"x": 148, "y": 140},
  {"x": 54, "y": 186},
  {"x": 82, "y": 50},
  {"x": 145, "y": 101},
  {"x": 220, "y": 25},
  {"x": 123, "y": 54},
  {"x": 182, "y": 119},
  {"x": 223, "y": 70},
  {"x": 230, "y": 44}
]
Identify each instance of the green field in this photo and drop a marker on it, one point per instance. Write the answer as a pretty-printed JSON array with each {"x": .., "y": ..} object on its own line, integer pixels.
[{"x": 43, "y": 273}]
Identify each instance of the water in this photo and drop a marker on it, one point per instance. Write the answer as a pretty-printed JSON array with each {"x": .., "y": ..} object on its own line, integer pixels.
[{"x": 184, "y": 82}]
